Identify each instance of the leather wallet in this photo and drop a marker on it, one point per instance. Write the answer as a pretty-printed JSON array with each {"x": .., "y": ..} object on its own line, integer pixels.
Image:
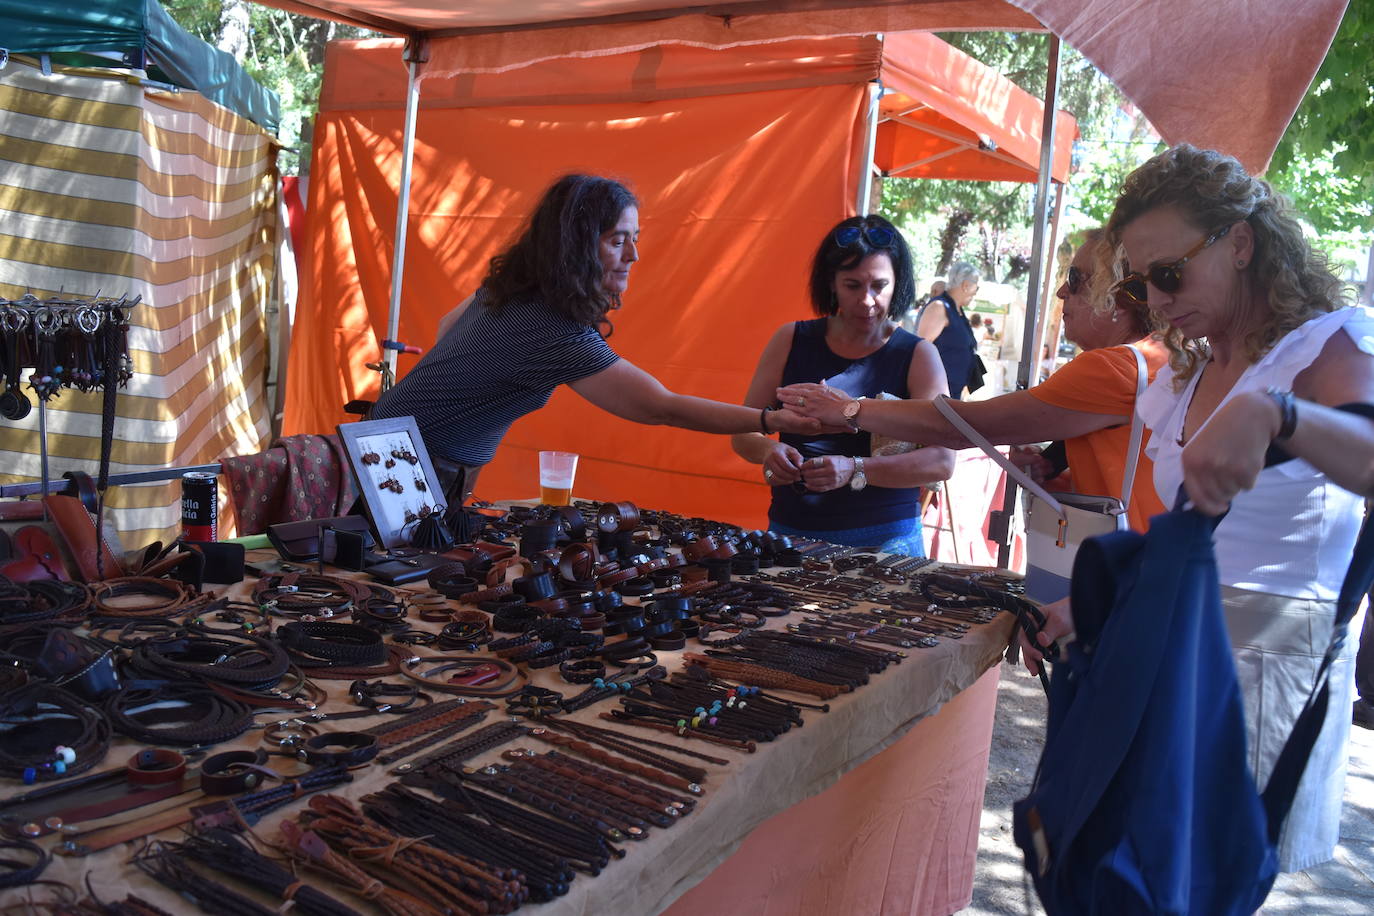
[
  {"x": 300, "y": 541},
  {"x": 398, "y": 572},
  {"x": 224, "y": 562}
]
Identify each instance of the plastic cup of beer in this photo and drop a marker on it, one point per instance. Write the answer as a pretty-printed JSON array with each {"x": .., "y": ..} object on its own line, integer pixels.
[{"x": 556, "y": 473}]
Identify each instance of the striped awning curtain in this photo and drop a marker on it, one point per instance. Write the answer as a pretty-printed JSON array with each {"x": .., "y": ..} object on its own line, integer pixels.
[{"x": 115, "y": 188}]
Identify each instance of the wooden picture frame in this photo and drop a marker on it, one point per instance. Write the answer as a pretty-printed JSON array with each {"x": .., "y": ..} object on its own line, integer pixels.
[{"x": 394, "y": 475}]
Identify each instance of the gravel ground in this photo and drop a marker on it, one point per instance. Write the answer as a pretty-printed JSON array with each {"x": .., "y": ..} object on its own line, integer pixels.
[{"x": 1344, "y": 885}]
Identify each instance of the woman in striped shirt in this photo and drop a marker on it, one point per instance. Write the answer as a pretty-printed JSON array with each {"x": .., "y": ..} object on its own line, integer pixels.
[{"x": 536, "y": 323}]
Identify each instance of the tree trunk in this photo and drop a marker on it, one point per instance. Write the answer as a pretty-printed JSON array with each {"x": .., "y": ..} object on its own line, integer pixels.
[{"x": 955, "y": 227}]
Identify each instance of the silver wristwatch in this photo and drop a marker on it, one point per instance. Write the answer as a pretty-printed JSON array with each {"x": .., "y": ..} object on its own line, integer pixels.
[{"x": 858, "y": 480}]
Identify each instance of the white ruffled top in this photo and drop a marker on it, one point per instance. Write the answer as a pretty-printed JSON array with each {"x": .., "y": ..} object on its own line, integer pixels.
[{"x": 1293, "y": 534}]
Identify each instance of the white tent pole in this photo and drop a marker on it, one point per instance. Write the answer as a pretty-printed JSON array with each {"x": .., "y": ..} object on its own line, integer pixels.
[
  {"x": 1043, "y": 325},
  {"x": 865, "y": 188},
  {"x": 1030, "y": 356},
  {"x": 414, "y": 57}
]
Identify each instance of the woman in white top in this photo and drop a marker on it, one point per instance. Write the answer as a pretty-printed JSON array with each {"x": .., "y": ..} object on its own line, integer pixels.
[{"x": 1263, "y": 351}]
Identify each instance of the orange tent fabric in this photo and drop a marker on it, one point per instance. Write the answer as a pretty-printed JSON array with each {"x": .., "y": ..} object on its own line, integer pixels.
[
  {"x": 945, "y": 115},
  {"x": 742, "y": 157},
  {"x": 1226, "y": 74},
  {"x": 735, "y": 191}
]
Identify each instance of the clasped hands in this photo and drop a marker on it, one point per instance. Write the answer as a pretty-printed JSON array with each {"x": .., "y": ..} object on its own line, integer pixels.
[{"x": 785, "y": 465}]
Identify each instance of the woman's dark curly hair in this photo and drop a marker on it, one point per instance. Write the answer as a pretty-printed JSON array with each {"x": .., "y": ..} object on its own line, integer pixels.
[
  {"x": 832, "y": 257},
  {"x": 556, "y": 258}
]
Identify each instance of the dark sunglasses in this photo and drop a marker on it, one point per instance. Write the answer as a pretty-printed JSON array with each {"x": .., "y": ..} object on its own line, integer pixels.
[
  {"x": 875, "y": 236},
  {"x": 1076, "y": 280},
  {"x": 1167, "y": 278}
]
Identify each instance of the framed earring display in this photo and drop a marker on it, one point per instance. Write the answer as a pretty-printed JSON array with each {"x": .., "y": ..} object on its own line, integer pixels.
[{"x": 394, "y": 474}]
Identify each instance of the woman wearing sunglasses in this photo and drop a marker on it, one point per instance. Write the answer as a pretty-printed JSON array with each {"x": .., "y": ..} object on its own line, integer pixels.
[
  {"x": 1088, "y": 403},
  {"x": 1264, "y": 408},
  {"x": 539, "y": 320},
  {"x": 831, "y": 486}
]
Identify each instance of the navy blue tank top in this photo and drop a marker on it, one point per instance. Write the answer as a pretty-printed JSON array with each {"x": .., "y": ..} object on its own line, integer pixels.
[
  {"x": 812, "y": 360},
  {"x": 956, "y": 344}
]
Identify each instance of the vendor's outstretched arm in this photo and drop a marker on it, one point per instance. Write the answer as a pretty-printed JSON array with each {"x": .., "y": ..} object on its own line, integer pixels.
[
  {"x": 1012, "y": 419},
  {"x": 629, "y": 392}
]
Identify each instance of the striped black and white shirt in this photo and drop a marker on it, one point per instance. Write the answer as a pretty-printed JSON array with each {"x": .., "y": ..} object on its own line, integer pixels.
[{"x": 488, "y": 371}]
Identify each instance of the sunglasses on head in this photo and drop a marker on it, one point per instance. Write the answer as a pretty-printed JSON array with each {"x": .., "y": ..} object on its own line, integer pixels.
[
  {"x": 875, "y": 236},
  {"x": 1167, "y": 278}
]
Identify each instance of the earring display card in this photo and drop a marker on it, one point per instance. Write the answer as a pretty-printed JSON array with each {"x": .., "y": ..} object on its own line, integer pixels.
[{"x": 394, "y": 474}]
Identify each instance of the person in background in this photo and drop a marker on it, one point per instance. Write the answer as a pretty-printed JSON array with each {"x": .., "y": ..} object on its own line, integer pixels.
[
  {"x": 1265, "y": 410},
  {"x": 540, "y": 319},
  {"x": 831, "y": 486},
  {"x": 980, "y": 333},
  {"x": 944, "y": 323},
  {"x": 1088, "y": 403}
]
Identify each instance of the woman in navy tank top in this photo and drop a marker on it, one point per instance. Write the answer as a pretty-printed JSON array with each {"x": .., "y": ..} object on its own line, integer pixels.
[{"x": 830, "y": 486}]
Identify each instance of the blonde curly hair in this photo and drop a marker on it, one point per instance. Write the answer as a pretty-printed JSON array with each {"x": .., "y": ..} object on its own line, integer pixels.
[{"x": 1213, "y": 190}]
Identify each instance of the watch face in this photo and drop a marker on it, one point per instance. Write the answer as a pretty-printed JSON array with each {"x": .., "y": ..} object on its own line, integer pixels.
[{"x": 851, "y": 409}]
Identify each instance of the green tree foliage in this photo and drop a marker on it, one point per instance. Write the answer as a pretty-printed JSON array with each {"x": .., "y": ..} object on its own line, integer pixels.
[
  {"x": 1325, "y": 161},
  {"x": 987, "y": 222},
  {"x": 283, "y": 51}
]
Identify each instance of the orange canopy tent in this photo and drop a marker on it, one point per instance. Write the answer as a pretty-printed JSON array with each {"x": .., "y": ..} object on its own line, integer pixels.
[
  {"x": 1226, "y": 74},
  {"x": 743, "y": 157}
]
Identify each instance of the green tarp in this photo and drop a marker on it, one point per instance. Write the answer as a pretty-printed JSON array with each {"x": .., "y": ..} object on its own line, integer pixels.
[{"x": 147, "y": 36}]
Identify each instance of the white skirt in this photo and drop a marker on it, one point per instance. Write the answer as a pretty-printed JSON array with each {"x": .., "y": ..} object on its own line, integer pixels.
[{"x": 1278, "y": 642}]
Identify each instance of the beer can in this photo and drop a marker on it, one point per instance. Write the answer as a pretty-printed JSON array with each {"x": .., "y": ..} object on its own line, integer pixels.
[{"x": 200, "y": 506}]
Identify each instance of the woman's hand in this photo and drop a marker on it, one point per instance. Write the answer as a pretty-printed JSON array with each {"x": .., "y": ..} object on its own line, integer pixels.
[
  {"x": 1227, "y": 455},
  {"x": 1031, "y": 459},
  {"x": 782, "y": 465},
  {"x": 1058, "y": 624},
  {"x": 786, "y": 420},
  {"x": 819, "y": 401},
  {"x": 828, "y": 472}
]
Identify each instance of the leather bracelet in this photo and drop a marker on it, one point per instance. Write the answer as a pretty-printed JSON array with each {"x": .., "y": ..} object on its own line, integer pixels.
[
  {"x": 141, "y": 596},
  {"x": 487, "y": 594},
  {"x": 613, "y": 517},
  {"x": 153, "y": 766},
  {"x": 1288, "y": 413},
  {"x": 332, "y": 643},
  {"x": 232, "y": 772},
  {"x": 582, "y": 670},
  {"x": 347, "y": 749},
  {"x": 615, "y": 577},
  {"x": 669, "y": 642},
  {"x": 549, "y": 659},
  {"x": 577, "y": 562},
  {"x": 535, "y": 587},
  {"x": 20, "y": 874},
  {"x": 592, "y": 622},
  {"x": 763, "y": 420}
]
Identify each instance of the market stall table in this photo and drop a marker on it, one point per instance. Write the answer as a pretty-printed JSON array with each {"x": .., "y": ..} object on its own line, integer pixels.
[{"x": 824, "y": 824}]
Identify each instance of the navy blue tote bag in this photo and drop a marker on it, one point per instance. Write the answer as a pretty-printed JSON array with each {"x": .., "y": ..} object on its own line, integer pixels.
[{"x": 1143, "y": 802}]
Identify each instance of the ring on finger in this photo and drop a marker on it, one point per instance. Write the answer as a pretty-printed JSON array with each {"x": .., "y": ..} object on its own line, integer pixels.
[
  {"x": 801, "y": 402},
  {"x": 767, "y": 473}
]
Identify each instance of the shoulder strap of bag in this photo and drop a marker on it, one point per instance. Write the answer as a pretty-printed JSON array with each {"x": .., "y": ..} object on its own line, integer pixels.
[
  {"x": 1023, "y": 480},
  {"x": 1283, "y": 783},
  {"x": 1137, "y": 428}
]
